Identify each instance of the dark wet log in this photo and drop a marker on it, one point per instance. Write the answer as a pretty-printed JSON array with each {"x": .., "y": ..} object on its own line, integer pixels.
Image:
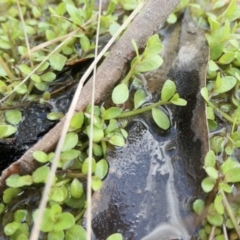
[
  {"x": 153, "y": 16},
  {"x": 153, "y": 178}
]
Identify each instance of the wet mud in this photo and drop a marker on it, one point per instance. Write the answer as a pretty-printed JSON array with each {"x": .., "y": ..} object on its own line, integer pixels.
[{"x": 154, "y": 179}]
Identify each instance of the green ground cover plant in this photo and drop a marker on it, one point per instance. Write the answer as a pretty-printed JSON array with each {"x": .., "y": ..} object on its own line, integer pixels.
[{"x": 74, "y": 23}]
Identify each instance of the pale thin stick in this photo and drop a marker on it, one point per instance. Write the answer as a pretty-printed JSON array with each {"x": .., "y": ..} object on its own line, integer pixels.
[
  {"x": 25, "y": 32},
  {"x": 89, "y": 178},
  {"x": 36, "y": 227},
  {"x": 36, "y": 68}
]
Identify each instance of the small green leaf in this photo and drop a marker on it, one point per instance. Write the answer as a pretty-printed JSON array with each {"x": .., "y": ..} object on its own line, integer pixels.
[
  {"x": 97, "y": 150},
  {"x": 115, "y": 236},
  {"x": 53, "y": 235},
  {"x": 98, "y": 133},
  {"x": 176, "y": 100},
  {"x": 208, "y": 184},
  {"x": 168, "y": 90},
  {"x": 10, "y": 193},
  {"x": 172, "y": 18},
  {"x": 198, "y": 206},
  {"x": 229, "y": 164},
  {"x": 153, "y": 46},
  {"x": 65, "y": 221},
  {"x": 57, "y": 194},
  {"x": 96, "y": 183},
  {"x": 218, "y": 204},
  {"x": 25, "y": 69},
  {"x": 85, "y": 43},
  {"x": 40, "y": 175},
  {"x": 120, "y": 94},
  {"x": 36, "y": 78},
  {"x": 149, "y": 64},
  {"x": 75, "y": 14},
  {"x": 117, "y": 139},
  {"x": 70, "y": 141},
  {"x": 7, "y": 130},
  {"x": 40, "y": 156},
  {"x": 76, "y": 188},
  {"x": 54, "y": 116},
  {"x": 11, "y": 228},
  {"x": 57, "y": 61},
  {"x": 21, "y": 215},
  {"x": 211, "y": 172},
  {"x": 210, "y": 159},
  {"x": 101, "y": 168},
  {"x": 13, "y": 116},
  {"x": 213, "y": 217},
  {"x": 76, "y": 232},
  {"x": 77, "y": 121},
  {"x": 48, "y": 77},
  {"x": 112, "y": 112},
  {"x": 224, "y": 84},
  {"x": 160, "y": 118},
  {"x": 227, "y": 58},
  {"x": 16, "y": 181},
  {"x": 85, "y": 166},
  {"x": 204, "y": 93},
  {"x": 139, "y": 98},
  {"x": 232, "y": 175},
  {"x": 212, "y": 66},
  {"x": 225, "y": 187}
]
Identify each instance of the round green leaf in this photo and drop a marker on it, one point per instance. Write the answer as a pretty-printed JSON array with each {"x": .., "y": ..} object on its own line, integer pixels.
[
  {"x": 208, "y": 184},
  {"x": 204, "y": 93},
  {"x": 226, "y": 58},
  {"x": 57, "y": 194},
  {"x": 13, "y": 116},
  {"x": 70, "y": 142},
  {"x": 225, "y": 187},
  {"x": 120, "y": 94},
  {"x": 224, "y": 84},
  {"x": 40, "y": 156},
  {"x": 211, "y": 172},
  {"x": 53, "y": 235},
  {"x": 16, "y": 181},
  {"x": 76, "y": 232},
  {"x": 96, "y": 183},
  {"x": 198, "y": 206},
  {"x": 10, "y": 193},
  {"x": 76, "y": 121},
  {"x": 233, "y": 175},
  {"x": 101, "y": 168},
  {"x": 98, "y": 133},
  {"x": 168, "y": 90},
  {"x": 76, "y": 188},
  {"x": 85, "y": 166},
  {"x": 57, "y": 61},
  {"x": 11, "y": 228},
  {"x": 160, "y": 118},
  {"x": 7, "y": 130},
  {"x": 65, "y": 221},
  {"x": 48, "y": 77},
  {"x": 117, "y": 139},
  {"x": 115, "y": 236},
  {"x": 218, "y": 205},
  {"x": 149, "y": 64},
  {"x": 54, "y": 116},
  {"x": 40, "y": 175},
  {"x": 139, "y": 98},
  {"x": 210, "y": 159},
  {"x": 215, "y": 220}
]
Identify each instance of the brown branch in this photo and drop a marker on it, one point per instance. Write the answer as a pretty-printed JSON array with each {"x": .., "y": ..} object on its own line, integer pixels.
[{"x": 151, "y": 18}]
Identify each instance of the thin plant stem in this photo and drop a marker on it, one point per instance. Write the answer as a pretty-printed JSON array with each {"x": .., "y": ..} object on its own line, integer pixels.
[
  {"x": 7, "y": 70},
  {"x": 142, "y": 110}
]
